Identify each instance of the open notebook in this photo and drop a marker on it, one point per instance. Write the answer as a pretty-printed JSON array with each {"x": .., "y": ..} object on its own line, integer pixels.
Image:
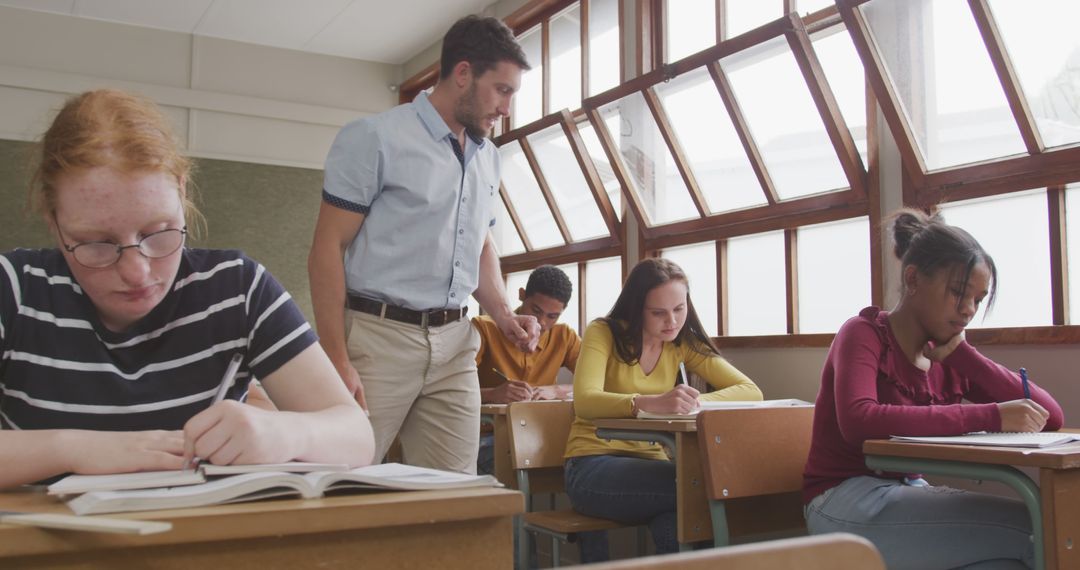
[
  {"x": 705, "y": 406},
  {"x": 74, "y": 484},
  {"x": 1012, "y": 439},
  {"x": 262, "y": 485}
]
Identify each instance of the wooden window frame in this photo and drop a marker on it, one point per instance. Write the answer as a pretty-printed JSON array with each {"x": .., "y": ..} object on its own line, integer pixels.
[{"x": 1040, "y": 167}]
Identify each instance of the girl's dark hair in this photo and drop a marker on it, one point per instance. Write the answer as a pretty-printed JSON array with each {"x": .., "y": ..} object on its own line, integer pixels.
[
  {"x": 625, "y": 318},
  {"x": 925, "y": 241}
]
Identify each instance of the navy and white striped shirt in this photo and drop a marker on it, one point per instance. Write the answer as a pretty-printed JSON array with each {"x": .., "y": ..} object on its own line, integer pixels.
[{"x": 60, "y": 368}]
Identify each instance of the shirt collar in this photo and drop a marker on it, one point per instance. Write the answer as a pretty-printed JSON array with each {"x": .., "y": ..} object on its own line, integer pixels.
[{"x": 434, "y": 122}]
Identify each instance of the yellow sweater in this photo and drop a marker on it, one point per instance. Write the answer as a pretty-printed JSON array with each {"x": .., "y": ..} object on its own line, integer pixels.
[{"x": 604, "y": 386}]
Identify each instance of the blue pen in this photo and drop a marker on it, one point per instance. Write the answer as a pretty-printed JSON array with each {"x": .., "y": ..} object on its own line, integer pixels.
[{"x": 1024, "y": 381}]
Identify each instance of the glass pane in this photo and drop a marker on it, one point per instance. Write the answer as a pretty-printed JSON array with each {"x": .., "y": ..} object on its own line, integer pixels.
[
  {"x": 1041, "y": 38},
  {"x": 646, "y": 158},
  {"x": 528, "y": 100},
  {"x": 528, "y": 201},
  {"x": 948, "y": 89},
  {"x": 600, "y": 161},
  {"x": 515, "y": 281},
  {"x": 834, "y": 274},
  {"x": 567, "y": 184},
  {"x": 757, "y": 295},
  {"x": 504, "y": 233},
  {"x": 745, "y": 15},
  {"x": 844, "y": 73},
  {"x": 1072, "y": 233},
  {"x": 603, "y": 283},
  {"x": 708, "y": 138},
  {"x": 604, "y": 61},
  {"x": 789, "y": 132},
  {"x": 1022, "y": 254},
  {"x": 690, "y": 27},
  {"x": 570, "y": 315},
  {"x": 811, "y": 6},
  {"x": 565, "y": 38},
  {"x": 698, "y": 261}
]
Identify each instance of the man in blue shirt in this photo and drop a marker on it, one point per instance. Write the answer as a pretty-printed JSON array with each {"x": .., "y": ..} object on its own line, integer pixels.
[{"x": 408, "y": 200}]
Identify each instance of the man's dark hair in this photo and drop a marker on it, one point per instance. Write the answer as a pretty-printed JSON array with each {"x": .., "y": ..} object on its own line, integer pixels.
[
  {"x": 483, "y": 42},
  {"x": 551, "y": 281}
]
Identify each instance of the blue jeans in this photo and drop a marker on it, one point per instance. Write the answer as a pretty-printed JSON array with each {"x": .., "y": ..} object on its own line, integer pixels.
[
  {"x": 927, "y": 527},
  {"x": 629, "y": 490}
]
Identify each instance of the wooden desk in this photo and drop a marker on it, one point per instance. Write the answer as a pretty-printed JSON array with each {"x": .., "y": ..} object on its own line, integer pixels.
[
  {"x": 1053, "y": 503},
  {"x": 462, "y": 528},
  {"x": 680, "y": 436},
  {"x": 495, "y": 416}
]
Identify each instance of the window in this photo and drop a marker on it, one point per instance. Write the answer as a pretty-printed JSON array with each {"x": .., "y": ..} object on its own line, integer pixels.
[
  {"x": 567, "y": 184},
  {"x": 690, "y": 27},
  {"x": 600, "y": 160},
  {"x": 604, "y": 54},
  {"x": 566, "y": 60},
  {"x": 528, "y": 101},
  {"x": 1020, "y": 253},
  {"x": 654, "y": 175},
  {"x": 745, "y": 15},
  {"x": 834, "y": 273},
  {"x": 520, "y": 183},
  {"x": 699, "y": 263},
  {"x": 790, "y": 133},
  {"x": 844, "y": 71},
  {"x": 756, "y": 285},
  {"x": 505, "y": 233},
  {"x": 603, "y": 283},
  {"x": 573, "y": 307},
  {"x": 707, "y": 136}
]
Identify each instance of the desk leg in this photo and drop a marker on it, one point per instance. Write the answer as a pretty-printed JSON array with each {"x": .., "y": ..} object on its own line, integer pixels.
[
  {"x": 503, "y": 471},
  {"x": 1061, "y": 518},
  {"x": 695, "y": 522}
]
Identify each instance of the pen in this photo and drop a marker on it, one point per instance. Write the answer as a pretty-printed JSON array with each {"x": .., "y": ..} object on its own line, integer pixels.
[
  {"x": 227, "y": 379},
  {"x": 223, "y": 388},
  {"x": 1024, "y": 381},
  {"x": 504, "y": 376},
  {"x": 682, "y": 379}
]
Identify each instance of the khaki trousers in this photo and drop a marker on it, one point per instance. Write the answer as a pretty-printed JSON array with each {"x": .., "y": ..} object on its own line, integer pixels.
[{"x": 420, "y": 385}]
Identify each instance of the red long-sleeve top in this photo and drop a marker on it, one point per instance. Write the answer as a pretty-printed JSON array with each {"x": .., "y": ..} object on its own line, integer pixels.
[{"x": 870, "y": 390}]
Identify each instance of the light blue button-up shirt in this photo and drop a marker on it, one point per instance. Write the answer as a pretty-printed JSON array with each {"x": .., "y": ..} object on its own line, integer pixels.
[{"x": 426, "y": 220}]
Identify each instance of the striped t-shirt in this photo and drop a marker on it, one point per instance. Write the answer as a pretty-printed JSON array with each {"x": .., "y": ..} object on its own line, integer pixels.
[{"x": 60, "y": 368}]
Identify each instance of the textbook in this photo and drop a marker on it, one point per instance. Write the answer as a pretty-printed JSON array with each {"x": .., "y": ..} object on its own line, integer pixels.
[
  {"x": 267, "y": 484},
  {"x": 1010, "y": 439},
  {"x": 75, "y": 484},
  {"x": 726, "y": 405}
]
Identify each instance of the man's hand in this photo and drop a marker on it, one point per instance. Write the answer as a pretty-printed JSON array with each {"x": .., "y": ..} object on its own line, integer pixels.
[
  {"x": 510, "y": 391},
  {"x": 522, "y": 330},
  {"x": 351, "y": 377}
]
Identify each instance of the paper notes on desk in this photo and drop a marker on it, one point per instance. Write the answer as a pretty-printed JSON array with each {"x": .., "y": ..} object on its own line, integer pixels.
[
  {"x": 726, "y": 405},
  {"x": 1040, "y": 439},
  {"x": 267, "y": 484}
]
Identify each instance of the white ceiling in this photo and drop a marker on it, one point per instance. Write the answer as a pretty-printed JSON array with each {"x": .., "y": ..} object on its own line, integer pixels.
[{"x": 386, "y": 31}]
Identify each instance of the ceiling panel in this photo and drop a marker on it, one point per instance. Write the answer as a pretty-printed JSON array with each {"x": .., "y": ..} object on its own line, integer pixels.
[
  {"x": 163, "y": 14},
  {"x": 281, "y": 23}
]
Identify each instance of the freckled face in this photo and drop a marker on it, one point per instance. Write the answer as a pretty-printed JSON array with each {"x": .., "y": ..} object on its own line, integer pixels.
[{"x": 107, "y": 205}]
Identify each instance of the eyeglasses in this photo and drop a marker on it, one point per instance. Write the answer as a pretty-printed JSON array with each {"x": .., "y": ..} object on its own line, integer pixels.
[{"x": 98, "y": 254}]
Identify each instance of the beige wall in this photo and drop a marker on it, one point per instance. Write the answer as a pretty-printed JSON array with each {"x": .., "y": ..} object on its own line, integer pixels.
[{"x": 228, "y": 100}]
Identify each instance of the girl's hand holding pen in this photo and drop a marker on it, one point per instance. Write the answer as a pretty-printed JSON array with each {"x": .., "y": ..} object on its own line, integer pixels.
[
  {"x": 231, "y": 432},
  {"x": 1022, "y": 415}
]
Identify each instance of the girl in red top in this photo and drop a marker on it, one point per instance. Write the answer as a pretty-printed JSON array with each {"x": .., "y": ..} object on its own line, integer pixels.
[{"x": 910, "y": 372}]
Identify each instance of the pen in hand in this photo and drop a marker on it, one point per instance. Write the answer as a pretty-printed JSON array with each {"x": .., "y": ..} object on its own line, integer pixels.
[
  {"x": 1024, "y": 381},
  {"x": 682, "y": 379},
  {"x": 223, "y": 388}
]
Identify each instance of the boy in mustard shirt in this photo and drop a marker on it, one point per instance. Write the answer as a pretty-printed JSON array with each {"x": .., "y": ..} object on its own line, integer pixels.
[{"x": 531, "y": 375}]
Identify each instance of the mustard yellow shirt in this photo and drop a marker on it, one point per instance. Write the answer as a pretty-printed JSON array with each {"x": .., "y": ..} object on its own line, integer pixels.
[
  {"x": 604, "y": 386},
  {"x": 557, "y": 347}
]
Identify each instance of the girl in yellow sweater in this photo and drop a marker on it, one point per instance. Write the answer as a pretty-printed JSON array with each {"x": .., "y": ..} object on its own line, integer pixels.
[{"x": 629, "y": 362}]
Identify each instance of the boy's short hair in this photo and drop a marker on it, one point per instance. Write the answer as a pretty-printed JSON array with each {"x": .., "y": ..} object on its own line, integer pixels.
[
  {"x": 483, "y": 42},
  {"x": 551, "y": 281}
]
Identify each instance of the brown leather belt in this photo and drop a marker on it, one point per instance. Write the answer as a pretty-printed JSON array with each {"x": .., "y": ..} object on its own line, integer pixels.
[{"x": 429, "y": 318}]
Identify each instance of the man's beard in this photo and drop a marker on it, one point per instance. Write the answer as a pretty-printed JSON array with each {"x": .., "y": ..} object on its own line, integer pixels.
[{"x": 465, "y": 113}]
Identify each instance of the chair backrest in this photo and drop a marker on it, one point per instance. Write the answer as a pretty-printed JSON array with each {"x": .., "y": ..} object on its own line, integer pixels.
[
  {"x": 538, "y": 433},
  {"x": 821, "y": 552},
  {"x": 754, "y": 452}
]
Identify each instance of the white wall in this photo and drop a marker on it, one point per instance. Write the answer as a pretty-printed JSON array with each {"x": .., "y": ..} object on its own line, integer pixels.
[{"x": 229, "y": 100}]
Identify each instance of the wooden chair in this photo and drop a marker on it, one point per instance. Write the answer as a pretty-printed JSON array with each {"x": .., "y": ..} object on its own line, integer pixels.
[
  {"x": 753, "y": 461},
  {"x": 822, "y": 552},
  {"x": 538, "y": 434}
]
